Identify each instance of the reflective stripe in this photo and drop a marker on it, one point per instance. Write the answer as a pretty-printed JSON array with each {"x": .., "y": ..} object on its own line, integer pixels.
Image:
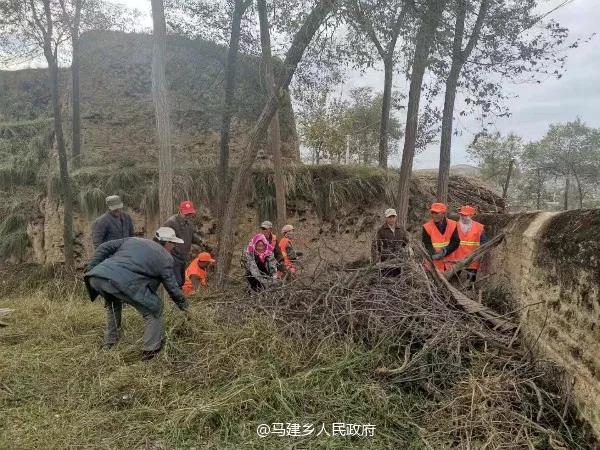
[
  {"x": 470, "y": 243},
  {"x": 440, "y": 244}
]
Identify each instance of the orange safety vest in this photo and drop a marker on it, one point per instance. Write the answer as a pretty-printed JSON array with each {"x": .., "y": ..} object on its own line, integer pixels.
[
  {"x": 283, "y": 245},
  {"x": 196, "y": 270},
  {"x": 440, "y": 241},
  {"x": 469, "y": 242}
]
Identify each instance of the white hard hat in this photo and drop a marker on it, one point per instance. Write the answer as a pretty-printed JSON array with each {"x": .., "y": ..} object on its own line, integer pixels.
[
  {"x": 167, "y": 234},
  {"x": 266, "y": 225},
  {"x": 287, "y": 228},
  {"x": 390, "y": 212}
]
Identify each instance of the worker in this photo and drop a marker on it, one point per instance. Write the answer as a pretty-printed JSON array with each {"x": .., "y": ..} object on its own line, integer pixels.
[
  {"x": 472, "y": 235},
  {"x": 130, "y": 271},
  {"x": 390, "y": 240},
  {"x": 288, "y": 253},
  {"x": 185, "y": 229},
  {"x": 440, "y": 236},
  {"x": 260, "y": 264},
  {"x": 114, "y": 224},
  {"x": 197, "y": 272},
  {"x": 266, "y": 229}
]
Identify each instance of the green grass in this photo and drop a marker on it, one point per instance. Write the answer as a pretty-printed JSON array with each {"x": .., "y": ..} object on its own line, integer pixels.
[{"x": 215, "y": 382}]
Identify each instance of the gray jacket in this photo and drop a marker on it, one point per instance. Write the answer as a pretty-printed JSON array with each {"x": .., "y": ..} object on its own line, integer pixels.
[
  {"x": 108, "y": 227},
  {"x": 136, "y": 267},
  {"x": 186, "y": 230},
  {"x": 270, "y": 266}
]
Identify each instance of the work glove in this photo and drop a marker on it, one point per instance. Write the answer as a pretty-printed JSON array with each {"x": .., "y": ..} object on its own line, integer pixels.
[{"x": 437, "y": 256}]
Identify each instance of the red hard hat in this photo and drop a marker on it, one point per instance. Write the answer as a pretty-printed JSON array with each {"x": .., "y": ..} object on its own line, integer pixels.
[{"x": 187, "y": 207}]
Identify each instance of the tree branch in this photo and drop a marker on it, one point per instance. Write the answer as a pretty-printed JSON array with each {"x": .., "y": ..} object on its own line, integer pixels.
[
  {"x": 483, "y": 9},
  {"x": 367, "y": 26},
  {"x": 473, "y": 256}
]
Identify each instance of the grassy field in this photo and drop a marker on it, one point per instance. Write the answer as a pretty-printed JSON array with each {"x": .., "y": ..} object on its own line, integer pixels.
[{"x": 216, "y": 381}]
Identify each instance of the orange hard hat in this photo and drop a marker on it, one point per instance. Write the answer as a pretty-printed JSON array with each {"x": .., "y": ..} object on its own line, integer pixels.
[
  {"x": 205, "y": 257},
  {"x": 466, "y": 210},
  {"x": 438, "y": 208}
]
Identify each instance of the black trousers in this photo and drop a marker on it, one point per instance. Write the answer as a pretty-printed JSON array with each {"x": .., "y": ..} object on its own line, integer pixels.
[
  {"x": 255, "y": 284},
  {"x": 179, "y": 269}
]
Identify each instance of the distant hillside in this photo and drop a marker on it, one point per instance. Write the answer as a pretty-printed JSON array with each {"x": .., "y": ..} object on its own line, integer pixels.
[{"x": 461, "y": 170}]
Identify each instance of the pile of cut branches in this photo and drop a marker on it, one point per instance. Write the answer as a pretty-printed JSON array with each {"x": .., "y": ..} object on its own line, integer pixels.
[{"x": 484, "y": 390}]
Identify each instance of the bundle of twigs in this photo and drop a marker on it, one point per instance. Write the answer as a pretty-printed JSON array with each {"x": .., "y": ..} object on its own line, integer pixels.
[
  {"x": 484, "y": 392},
  {"x": 431, "y": 333}
]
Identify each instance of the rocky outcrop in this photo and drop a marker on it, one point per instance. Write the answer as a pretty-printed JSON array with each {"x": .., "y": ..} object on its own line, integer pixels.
[{"x": 550, "y": 265}]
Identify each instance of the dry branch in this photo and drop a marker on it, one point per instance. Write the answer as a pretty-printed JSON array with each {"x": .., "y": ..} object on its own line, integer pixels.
[
  {"x": 473, "y": 256},
  {"x": 469, "y": 305}
]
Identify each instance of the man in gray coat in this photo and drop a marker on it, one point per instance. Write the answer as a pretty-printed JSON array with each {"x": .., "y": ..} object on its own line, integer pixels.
[
  {"x": 114, "y": 224},
  {"x": 130, "y": 271},
  {"x": 183, "y": 224}
]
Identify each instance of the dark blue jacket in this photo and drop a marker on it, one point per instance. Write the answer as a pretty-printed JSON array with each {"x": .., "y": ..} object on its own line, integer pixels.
[
  {"x": 136, "y": 267},
  {"x": 108, "y": 227}
]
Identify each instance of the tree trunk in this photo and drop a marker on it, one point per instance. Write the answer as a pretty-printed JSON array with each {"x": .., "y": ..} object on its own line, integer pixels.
[
  {"x": 567, "y": 183},
  {"x": 293, "y": 57},
  {"x": 446, "y": 139},
  {"x": 385, "y": 112},
  {"x": 579, "y": 189},
  {"x": 538, "y": 200},
  {"x": 65, "y": 181},
  {"x": 76, "y": 97},
  {"x": 228, "y": 106},
  {"x": 424, "y": 40},
  {"x": 511, "y": 165},
  {"x": 459, "y": 56},
  {"x": 161, "y": 106},
  {"x": 265, "y": 40}
]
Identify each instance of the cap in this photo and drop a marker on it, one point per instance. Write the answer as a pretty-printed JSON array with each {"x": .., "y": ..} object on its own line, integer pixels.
[
  {"x": 114, "y": 202},
  {"x": 166, "y": 234},
  {"x": 266, "y": 225},
  {"x": 438, "y": 208},
  {"x": 466, "y": 210},
  {"x": 187, "y": 207},
  {"x": 287, "y": 228},
  {"x": 390, "y": 212},
  {"x": 205, "y": 257}
]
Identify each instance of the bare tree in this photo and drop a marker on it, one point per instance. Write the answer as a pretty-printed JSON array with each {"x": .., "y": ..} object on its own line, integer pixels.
[
  {"x": 75, "y": 94},
  {"x": 240, "y": 7},
  {"x": 161, "y": 106},
  {"x": 294, "y": 55},
  {"x": 424, "y": 40},
  {"x": 383, "y": 19},
  {"x": 265, "y": 39},
  {"x": 35, "y": 22}
]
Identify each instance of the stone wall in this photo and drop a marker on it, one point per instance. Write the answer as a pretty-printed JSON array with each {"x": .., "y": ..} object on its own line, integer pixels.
[{"x": 550, "y": 264}]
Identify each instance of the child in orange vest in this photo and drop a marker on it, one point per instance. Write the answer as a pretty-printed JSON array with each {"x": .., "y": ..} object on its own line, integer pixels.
[{"x": 196, "y": 273}]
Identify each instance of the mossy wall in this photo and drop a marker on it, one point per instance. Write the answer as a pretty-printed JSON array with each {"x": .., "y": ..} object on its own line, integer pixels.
[{"x": 550, "y": 265}]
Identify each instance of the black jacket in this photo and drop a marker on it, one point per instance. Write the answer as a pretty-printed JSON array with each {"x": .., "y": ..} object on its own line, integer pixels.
[
  {"x": 388, "y": 243},
  {"x": 454, "y": 239},
  {"x": 108, "y": 228},
  {"x": 186, "y": 230}
]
